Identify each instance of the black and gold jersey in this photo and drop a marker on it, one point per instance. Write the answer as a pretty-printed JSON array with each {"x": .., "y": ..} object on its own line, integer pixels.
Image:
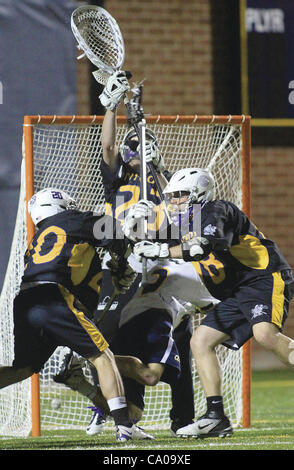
[
  {"x": 122, "y": 190},
  {"x": 63, "y": 251},
  {"x": 239, "y": 251}
]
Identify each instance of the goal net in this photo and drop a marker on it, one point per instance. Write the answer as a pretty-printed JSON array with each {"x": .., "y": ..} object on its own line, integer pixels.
[{"x": 65, "y": 152}]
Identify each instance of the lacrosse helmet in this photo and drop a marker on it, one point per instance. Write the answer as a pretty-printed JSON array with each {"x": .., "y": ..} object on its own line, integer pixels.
[
  {"x": 195, "y": 183},
  {"x": 48, "y": 202},
  {"x": 130, "y": 147}
]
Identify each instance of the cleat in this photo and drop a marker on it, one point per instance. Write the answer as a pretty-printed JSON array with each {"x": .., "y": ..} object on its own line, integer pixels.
[
  {"x": 124, "y": 433},
  {"x": 97, "y": 423},
  {"x": 177, "y": 424},
  {"x": 139, "y": 433},
  {"x": 209, "y": 425}
]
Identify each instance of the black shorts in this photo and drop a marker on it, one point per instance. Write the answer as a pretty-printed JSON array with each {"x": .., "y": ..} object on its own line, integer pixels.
[
  {"x": 263, "y": 299},
  {"x": 47, "y": 316}
]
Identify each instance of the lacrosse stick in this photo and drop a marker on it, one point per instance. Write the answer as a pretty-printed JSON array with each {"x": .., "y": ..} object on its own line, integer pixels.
[
  {"x": 143, "y": 188},
  {"x": 135, "y": 115},
  {"x": 99, "y": 37}
]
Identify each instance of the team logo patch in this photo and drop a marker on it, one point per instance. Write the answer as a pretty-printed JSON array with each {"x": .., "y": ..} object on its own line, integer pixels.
[
  {"x": 259, "y": 310},
  {"x": 209, "y": 230}
]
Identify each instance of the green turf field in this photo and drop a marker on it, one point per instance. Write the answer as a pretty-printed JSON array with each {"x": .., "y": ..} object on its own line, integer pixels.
[{"x": 272, "y": 427}]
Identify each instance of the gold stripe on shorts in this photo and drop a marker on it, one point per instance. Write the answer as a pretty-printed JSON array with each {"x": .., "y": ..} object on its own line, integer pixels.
[
  {"x": 278, "y": 298},
  {"x": 97, "y": 338}
]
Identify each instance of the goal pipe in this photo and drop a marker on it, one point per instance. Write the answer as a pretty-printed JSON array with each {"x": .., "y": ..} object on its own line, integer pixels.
[{"x": 243, "y": 120}]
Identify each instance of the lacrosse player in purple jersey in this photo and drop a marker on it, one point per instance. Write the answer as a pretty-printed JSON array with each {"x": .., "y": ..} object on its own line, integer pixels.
[{"x": 120, "y": 168}]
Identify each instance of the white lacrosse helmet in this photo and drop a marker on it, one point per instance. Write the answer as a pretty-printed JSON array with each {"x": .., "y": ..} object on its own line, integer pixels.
[
  {"x": 48, "y": 202},
  {"x": 130, "y": 148},
  {"x": 197, "y": 182}
]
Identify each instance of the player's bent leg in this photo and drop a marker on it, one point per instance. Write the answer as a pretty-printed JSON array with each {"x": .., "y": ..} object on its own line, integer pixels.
[
  {"x": 10, "y": 375},
  {"x": 108, "y": 374},
  {"x": 268, "y": 336},
  {"x": 182, "y": 412},
  {"x": 213, "y": 423},
  {"x": 132, "y": 367},
  {"x": 203, "y": 344},
  {"x": 112, "y": 388}
]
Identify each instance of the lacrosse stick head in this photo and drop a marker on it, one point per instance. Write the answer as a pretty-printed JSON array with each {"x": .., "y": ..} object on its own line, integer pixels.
[{"x": 99, "y": 37}]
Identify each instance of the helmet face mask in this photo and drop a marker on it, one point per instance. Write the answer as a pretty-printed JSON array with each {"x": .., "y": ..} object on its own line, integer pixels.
[
  {"x": 130, "y": 147},
  {"x": 48, "y": 202}
]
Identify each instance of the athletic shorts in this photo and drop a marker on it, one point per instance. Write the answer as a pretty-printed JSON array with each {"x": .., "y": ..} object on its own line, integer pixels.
[
  {"x": 262, "y": 299},
  {"x": 148, "y": 336},
  {"x": 47, "y": 316}
]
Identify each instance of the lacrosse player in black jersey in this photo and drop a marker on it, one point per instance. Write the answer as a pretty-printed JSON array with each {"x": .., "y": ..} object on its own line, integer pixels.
[
  {"x": 60, "y": 285},
  {"x": 240, "y": 267}
]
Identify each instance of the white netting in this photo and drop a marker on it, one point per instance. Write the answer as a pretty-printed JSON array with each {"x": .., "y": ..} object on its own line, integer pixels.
[
  {"x": 99, "y": 36},
  {"x": 68, "y": 157}
]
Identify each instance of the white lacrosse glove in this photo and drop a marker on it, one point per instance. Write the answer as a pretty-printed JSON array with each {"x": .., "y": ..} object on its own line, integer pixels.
[
  {"x": 146, "y": 249},
  {"x": 154, "y": 156},
  {"x": 142, "y": 210},
  {"x": 116, "y": 87}
]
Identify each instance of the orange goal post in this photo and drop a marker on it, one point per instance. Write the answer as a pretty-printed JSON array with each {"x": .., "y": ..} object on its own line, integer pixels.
[{"x": 65, "y": 152}]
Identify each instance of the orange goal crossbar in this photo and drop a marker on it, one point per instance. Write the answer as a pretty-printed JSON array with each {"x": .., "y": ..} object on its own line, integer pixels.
[
  {"x": 158, "y": 119},
  {"x": 243, "y": 120}
]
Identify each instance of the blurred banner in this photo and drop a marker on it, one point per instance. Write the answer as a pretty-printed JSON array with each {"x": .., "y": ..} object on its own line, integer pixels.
[
  {"x": 37, "y": 76},
  {"x": 270, "y": 58}
]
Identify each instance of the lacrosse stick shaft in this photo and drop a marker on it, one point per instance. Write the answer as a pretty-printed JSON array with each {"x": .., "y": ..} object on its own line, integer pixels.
[
  {"x": 107, "y": 307},
  {"x": 143, "y": 174},
  {"x": 150, "y": 164}
]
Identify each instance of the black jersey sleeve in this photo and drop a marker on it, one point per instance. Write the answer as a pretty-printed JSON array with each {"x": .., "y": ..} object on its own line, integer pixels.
[{"x": 220, "y": 224}]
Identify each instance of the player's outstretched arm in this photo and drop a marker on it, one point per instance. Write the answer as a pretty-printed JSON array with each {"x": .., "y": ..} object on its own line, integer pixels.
[
  {"x": 108, "y": 139},
  {"x": 193, "y": 250},
  {"x": 114, "y": 91}
]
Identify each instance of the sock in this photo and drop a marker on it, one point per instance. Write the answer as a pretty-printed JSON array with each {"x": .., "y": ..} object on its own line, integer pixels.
[
  {"x": 119, "y": 411},
  {"x": 215, "y": 403}
]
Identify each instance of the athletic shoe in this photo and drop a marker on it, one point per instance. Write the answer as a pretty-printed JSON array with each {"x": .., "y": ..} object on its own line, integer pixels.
[
  {"x": 97, "y": 423},
  {"x": 178, "y": 424},
  {"x": 123, "y": 433},
  {"x": 210, "y": 424}
]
